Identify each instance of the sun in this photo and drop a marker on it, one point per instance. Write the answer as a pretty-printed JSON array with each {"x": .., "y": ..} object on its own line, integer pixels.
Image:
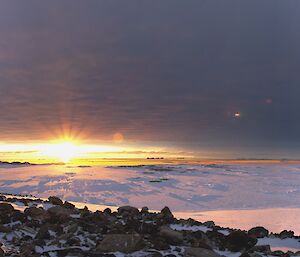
[{"x": 64, "y": 151}]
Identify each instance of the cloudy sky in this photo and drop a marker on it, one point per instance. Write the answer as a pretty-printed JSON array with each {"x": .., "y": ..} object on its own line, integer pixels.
[{"x": 169, "y": 73}]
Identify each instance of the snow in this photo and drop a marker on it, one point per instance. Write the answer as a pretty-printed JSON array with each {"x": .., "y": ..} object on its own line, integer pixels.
[
  {"x": 180, "y": 227},
  {"x": 287, "y": 244},
  {"x": 244, "y": 195}
]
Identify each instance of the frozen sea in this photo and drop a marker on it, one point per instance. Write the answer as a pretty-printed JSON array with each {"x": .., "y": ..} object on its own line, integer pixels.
[{"x": 234, "y": 195}]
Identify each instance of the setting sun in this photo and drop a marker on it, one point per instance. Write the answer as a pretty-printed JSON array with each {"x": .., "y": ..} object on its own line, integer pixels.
[{"x": 64, "y": 151}]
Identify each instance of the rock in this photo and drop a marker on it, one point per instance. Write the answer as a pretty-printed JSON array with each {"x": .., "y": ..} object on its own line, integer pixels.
[
  {"x": 125, "y": 243},
  {"x": 43, "y": 232},
  {"x": 159, "y": 243},
  {"x": 199, "y": 239},
  {"x": 154, "y": 254},
  {"x": 250, "y": 255},
  {"x": 55, "y": 200},
  {"x": 171, "y": 236},
  {"x": 199, "y": 252},
  {"x": 69, "y": 205},
  {"x": 258, "y": 232},
  {"x": 6, "y": 208},
  {"x": 35, "y": 213},
  {"x": 262, "y": 249},
  {"x": 27, "y": 249},
  {"x": 59, "y": 212},
  {"x": 5, "y": 229},
  {"x": 18, "y": 216},
  {"x": 279, "y": 253},
  {"x": 238, "y": 240},
  {"x": 128, "y": 211},
  {"x": 166, "y": 212},
  {"x": 217, "y": 238},
  {"x": 73, "y": 241},
  {"x": 144, "y": 210},
  {"x": 107, "y": 211},
  {"x": 209, "y": 224},
  {"x": 286, "y": 234},
  {"x": 165, "y": 216}
]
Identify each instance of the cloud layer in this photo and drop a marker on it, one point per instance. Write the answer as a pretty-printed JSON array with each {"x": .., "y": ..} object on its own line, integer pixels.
[{"x": 172, "y": 72}]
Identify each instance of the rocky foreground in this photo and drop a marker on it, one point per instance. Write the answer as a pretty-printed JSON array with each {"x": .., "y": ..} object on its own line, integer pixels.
[{"x": 53, "y": 228}]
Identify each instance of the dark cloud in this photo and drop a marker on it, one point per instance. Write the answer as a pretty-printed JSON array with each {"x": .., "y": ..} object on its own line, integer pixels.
[{"x": 170, "y": 71}]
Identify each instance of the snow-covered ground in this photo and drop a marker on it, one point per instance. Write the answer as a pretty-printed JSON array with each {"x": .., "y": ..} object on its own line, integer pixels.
[{"x": 264, "y": 190}]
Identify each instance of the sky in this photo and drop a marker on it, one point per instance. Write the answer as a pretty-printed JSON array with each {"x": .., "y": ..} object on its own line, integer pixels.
[{"x": 215, "y": 78}]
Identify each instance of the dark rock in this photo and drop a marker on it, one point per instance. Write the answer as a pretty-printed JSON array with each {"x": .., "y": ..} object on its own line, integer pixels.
[
  {"x": 55, "y": 200},
  {"x": 125, "y": 243},
  {"x": 262, "y": 249},
  {"x": 199, "y": 252},
  {"x": 128, "y": 211},
  {"x": 238, "y": 240},
  {"x": 246, "y": 254},
  {"x": 27, "y": 249},
  {"x": 165, "y": 216},
  {"x": 154, "y": 254},
  {"x": 107, "y": 211},
  {"x": 217, "y": 238},
  {"x": 159, "y": 243},
  {"x": 258, "y": 232},
  {"x": 18, "y": 216},
  {"x": 69, "y": 205},
  {"x": 35, "y": 213},
  {"x": 286, "y": 234},
  {"x": 5, "y": 229},
  {"x": 6, "y": 208},
  {"x": 171, "y": 236},
  {"x": 144, "y": 210},
  {"x": 43, "y": 232},
  {"x": 73, "y": 241},
  {"x": 59, "y": 211},
  {"x": 209, "y": 224}
]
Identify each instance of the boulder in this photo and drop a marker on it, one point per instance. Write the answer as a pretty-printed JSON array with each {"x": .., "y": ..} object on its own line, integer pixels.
[
  {"x": 171, "y": 236},
  {"x": 128, "y": 211},
  {"x": 286, "y": 234},
  {"x": 6, "y": 208},
  {"x": 199, "y": 252},
  {"x": 36, "y": 213},
  {"x": 165, "y": 216},
  {"x": 209, "y": 224},
  {"x": 5, "y": 229},
  {"x": 43, "y": 232},
  {"x": 239, "y": 240},
  {"x": 125, "y": 243},
  {"x": 59, "y": 212},
  {"x": 258, "y": 232},
  {"x": 68, "y": 205},
  {"x": 6, "y": 211},
  {"x": 144, "y": 210},
  {"x": 250, "y": 255},
  {"x": 55, "y": 200},
  {"x": 266, "y": 249}
]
